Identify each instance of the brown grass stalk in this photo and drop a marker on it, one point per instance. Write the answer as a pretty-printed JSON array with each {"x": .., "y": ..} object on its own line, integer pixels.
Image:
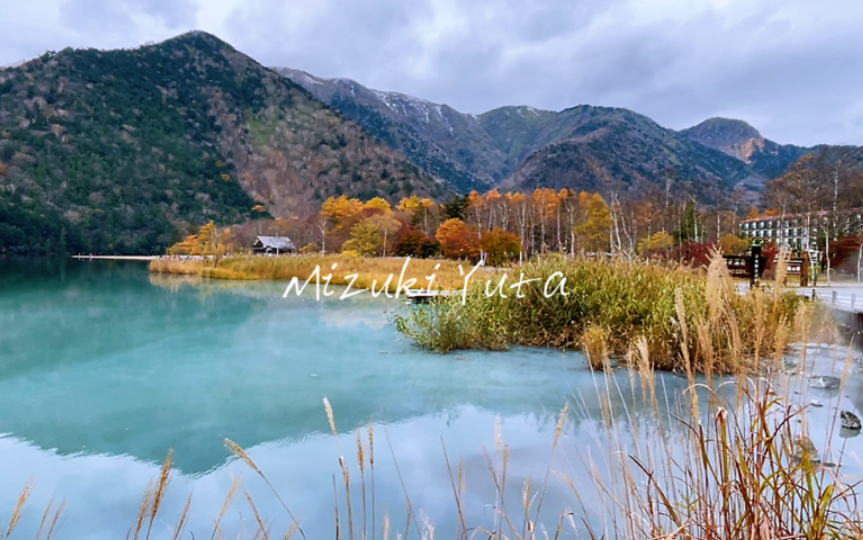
[{"x": 16, "y": 514}]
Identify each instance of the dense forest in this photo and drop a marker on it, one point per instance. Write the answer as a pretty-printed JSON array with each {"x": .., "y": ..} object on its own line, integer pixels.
[
  {"x": 126, "y": 151},
  {"x": 92, "y": 147},
  {"x": 505, "y": 226}
]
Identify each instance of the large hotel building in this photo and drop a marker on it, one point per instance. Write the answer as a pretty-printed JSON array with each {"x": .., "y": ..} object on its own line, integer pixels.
[{"x": 798, "y": 231}]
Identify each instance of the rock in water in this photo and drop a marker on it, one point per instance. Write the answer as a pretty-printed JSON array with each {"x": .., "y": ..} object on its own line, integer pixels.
[
  {"x": 825, "y": 382},
  {"x": 804, "y": 447},
  {"x": 850, "y": 421}
]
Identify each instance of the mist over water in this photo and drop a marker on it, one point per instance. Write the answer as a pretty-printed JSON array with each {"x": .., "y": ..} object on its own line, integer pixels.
[{"x": 104, "y": 368}]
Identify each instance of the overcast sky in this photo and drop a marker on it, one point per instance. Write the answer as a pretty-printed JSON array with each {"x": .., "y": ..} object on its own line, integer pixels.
[{"x": 791, "y": 68}]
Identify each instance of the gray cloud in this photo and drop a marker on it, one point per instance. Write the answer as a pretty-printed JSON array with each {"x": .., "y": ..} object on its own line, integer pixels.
[
  {"x": 789, "y": 67},
  {"x": 118, "y": 17}
]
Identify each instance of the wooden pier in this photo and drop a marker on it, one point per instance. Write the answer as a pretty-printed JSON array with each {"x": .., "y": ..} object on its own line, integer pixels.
[
  {"x": 422, "y": 296},
  {"x": 115, "y": 257}
]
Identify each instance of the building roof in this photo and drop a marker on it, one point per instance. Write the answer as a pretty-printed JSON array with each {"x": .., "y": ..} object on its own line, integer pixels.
[
  {"x": 818, "y": 213},
  {"x": 281, "y": 243}
]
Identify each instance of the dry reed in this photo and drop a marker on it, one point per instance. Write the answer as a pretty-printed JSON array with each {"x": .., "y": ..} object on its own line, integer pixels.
[
  {"x": 372, "y": 272},
  {"x": 690, "y": 320}
]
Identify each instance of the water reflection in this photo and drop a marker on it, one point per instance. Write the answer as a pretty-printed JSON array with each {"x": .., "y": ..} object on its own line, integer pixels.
[{"x": 103, "y": 368}]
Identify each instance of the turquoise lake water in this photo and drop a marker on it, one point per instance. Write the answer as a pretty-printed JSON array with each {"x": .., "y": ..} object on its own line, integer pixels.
[{"x": 104, "y": 368}]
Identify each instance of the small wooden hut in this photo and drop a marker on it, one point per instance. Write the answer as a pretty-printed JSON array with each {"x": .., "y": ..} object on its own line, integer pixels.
[{"x": 274, "y": 244}]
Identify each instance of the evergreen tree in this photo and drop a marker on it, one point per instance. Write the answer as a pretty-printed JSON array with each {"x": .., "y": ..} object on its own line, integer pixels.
[
  {"x": 691, "y": 230},
  {"x": 455, "y": 209}
]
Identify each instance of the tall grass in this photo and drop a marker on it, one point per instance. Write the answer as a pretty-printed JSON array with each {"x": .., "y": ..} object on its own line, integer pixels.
[
  {"x": 689, "y": 319},
  {"x": 47, "y": 526},
  {"x": 743, "y": 467},
  {"x": 382, "y": 273}
]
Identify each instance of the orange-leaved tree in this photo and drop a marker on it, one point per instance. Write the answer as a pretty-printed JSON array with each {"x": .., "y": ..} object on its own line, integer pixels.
[
  {"x": 211, "y": 242},
  {"x": 458, "y": 240}
]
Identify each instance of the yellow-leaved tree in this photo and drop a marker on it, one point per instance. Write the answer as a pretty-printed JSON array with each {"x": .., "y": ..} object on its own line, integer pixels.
[
  {"x": 366, "y": 239},
  {"x": 595, "y": 233},
  {"x": 659, "y": 241},
  {"x": 342, "y": 210},
  {"x": 208, "y": 243},
  {"x": 731, "y": 244},
  {"x": 379, "y": 205}
]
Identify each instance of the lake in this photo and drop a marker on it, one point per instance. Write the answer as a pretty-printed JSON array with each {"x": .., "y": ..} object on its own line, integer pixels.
[{"x": 104, "y": 368}]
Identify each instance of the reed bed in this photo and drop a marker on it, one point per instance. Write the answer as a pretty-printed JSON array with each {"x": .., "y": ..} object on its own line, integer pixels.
[
  {"x": 742, "y": 465},
  {"x": 689, "y": 319},
  {"x": 382, "y": 273}
]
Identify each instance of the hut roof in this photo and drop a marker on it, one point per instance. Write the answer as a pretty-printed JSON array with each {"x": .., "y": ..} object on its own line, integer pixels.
[{"x": 281, "y": 243}]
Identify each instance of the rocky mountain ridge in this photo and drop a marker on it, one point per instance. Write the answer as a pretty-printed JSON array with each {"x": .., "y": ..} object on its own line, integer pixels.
[
  {"x": 742, "y": 141},
  {"x": 583, "y": 147},
  {"x": 125, "y": 151}
]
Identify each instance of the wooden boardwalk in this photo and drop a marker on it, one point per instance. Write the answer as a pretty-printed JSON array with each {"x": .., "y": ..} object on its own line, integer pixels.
[
  {"x": 850, "y": 301},
  {"x": 422, "y": 296},
  {"x": 843, "y": 297},
  {"x": 116, "y": 257}
]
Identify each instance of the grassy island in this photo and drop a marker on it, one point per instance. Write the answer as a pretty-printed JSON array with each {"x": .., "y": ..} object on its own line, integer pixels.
[{"x": 683, "y": 319}]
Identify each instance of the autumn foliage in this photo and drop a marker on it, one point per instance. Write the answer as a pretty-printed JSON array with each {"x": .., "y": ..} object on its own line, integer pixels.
[
  {"x": 458, "y": 240},
  {"x": 208, "y": 243},
  {"x": 499, "y": 227},
  {"x": 845, "y": 252},
  {"x": 500, "y": 246},
  {"x": 415, "y": 243}
]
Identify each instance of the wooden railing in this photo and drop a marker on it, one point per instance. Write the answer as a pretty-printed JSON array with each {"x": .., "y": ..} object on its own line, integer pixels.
[{"x": 834, "y": 298}]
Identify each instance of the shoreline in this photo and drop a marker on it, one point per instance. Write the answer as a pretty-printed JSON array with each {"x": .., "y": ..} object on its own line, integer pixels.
[
  {"x": 335, "y": 269},
  {"x": 116, "y": 257}
]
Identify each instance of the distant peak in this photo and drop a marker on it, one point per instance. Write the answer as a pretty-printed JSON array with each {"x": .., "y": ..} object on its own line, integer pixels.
[
  {"x": 733, "y": 137},
  {"x": 730, "y": 127},
  {"x": 522, "y": 110},
  {"x": 193, "y": 35}
]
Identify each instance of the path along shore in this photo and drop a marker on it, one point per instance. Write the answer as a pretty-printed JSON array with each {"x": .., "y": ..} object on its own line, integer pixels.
[{"x": 116, "y": 257}]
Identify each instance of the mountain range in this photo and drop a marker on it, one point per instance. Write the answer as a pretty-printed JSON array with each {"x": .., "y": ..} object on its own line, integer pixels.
[
  {"x": 125, "y": 151},
  {"x": 581, "y": 148}
]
